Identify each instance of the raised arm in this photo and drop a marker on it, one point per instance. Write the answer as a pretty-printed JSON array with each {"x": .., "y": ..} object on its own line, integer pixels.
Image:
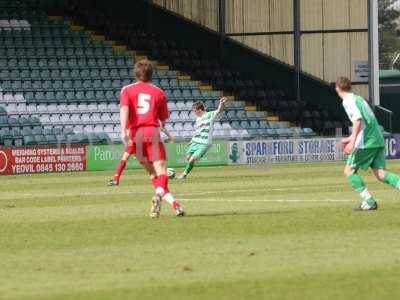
[{"x": 221, "y": 105}]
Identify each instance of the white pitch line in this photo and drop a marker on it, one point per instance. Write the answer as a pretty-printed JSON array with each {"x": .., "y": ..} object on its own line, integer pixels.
[
  {"x": 12, "y": 196},
  {"x": 241, "y": 190},
  {"x": 262, "y": 200}
]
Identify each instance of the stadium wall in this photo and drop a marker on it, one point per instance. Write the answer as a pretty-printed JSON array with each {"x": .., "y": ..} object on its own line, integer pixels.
[
  {"x": 390, "y": 95},
  {"x": 277, "y": 73},
  {"x": 74, "y": 158},
  {"x": 334, "y": 34}
]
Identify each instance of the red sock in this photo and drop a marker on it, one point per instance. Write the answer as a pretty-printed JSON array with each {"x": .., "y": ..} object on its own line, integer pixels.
[
  {"x": 161, "y": 183},
  {"x": 175, "y": 204},
  {"x": 171, "y": 200},
  {"x": 120, "y": 168},
  {"x": 154, "y": 181}
]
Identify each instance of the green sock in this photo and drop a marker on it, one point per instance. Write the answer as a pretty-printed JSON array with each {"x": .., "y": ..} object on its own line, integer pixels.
[
  {"x": 358, "y": 185},
  {"x": 356, "y": 182},
  {"x": 392, "y": 179},
  {"x": 189, "y": 166}
]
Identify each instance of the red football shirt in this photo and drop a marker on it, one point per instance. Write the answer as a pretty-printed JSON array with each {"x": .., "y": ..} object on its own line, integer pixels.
[{"x": 147, "y": 104}]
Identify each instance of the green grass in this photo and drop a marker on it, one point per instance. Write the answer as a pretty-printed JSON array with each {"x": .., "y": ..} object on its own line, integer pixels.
[{"x": 279, "y": 232}]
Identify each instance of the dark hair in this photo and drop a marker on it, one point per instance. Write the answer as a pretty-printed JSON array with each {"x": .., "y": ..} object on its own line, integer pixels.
[
  {"x": 198, "y": 105},
  {"x": 143, "y": 70},
  {"x": 344, "y": 84}
]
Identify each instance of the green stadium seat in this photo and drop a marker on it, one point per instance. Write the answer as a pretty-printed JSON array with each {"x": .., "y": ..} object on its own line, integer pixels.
[
  {"x": 3, "y": 121},
  {"x": 101, "y": 62},
  {"x": 253, "y": 132},
  {"x": 235, "y": 125},
  {"x": 24, "y": 121},
  {"x": 72, "y": 63},
  {"x": 77, "y": 84},
  {"x": 80, "y": 96},
  {"x": 26, "y": 85},
  {"x": 61, "y": 138},
  {"x": 55, "y": 74},
  {"x": 97, "y": 84},
  {"x": 75, "y": 74},
  {"x": 114, "y": 73},
  {"x": 106, "y": 84},
  {"x": 103, "y": 137},
  {"x": 100, "y": 96},
  {"x": 82, "y": 138},
  {"x": 40, "y": 97},
  {"x": 3, "y": 111},
  {"x": 70, "y": 96},
  {"x": 85, "y": 73},
  {"x": 57, "y": 85},
  {"x": 29, "y": 97},
  {"x": 6, "y": 85},
  {"x": 87, "y": 84},
  {"x": 104, "y": 73},
  {"x": 14, "y": 74},
  {"x": 68, "y": 130},
  {"x": 72, "y": 138},
  {"x": 37, "y": 85},
  {"x": 29, "y": 140},
  {"x": 110, "y": 96},
  {"x": 26, "y": 131},
  {"x": 13, "y": 122},
  {"x": 94, "y": 73},
  {"x": 67, "y": 85},
  {"x": 17, "y": 137},
  {"x": 51, "y": 139},
  {"x": 124, "y": 73},
  {"x": 47, "y": 85},
  {"x": 52, "y": 63},
  {"x": 34, "y": 121},
  {"x": 90, "y": 96}
]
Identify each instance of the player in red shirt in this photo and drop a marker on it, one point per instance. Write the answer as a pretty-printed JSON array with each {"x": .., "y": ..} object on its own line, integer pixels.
[
  {"x": 143, "y": 109},
  {"x": 125, "y": 156}
]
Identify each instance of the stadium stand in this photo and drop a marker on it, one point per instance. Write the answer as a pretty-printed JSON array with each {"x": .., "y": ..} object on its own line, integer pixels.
[
  {"x": 208, "y": 68},
  {"x": 60, "y": 84}
]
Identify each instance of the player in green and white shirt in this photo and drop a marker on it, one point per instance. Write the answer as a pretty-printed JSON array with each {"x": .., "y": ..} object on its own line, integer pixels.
[
  {"x": 365, "y": 145},
  {"x": 202, "y": 138}
]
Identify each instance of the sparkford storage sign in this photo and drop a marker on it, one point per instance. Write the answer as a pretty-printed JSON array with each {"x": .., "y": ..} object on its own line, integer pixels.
[{"x": 285, "y": 151}]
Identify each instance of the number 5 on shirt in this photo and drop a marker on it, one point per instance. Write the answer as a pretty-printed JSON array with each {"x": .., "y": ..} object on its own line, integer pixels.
[{"x": 143, "y": 104}]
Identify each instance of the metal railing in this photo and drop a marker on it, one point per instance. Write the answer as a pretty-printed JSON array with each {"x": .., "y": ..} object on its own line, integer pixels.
[
  {"x": 395, "y": 60},
  {"x": 384, "y": 117}
]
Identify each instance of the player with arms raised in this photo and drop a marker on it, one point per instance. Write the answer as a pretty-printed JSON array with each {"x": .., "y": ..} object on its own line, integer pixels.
[
  {"x": 202, "y": 138},
  {"x": 143, "y": 109},
  {"x": 365, "y": 145}
]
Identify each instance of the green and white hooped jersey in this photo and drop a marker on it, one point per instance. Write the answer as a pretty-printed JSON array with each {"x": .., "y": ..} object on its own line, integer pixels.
[
  {"x": 370, "y": 135},
  {"x": 204, "y": 128}
]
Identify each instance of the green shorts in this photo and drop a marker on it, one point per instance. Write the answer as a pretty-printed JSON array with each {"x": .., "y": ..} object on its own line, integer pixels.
[
  {"x": 367, "y": 158},
  {"x": 197, "y": 150}
]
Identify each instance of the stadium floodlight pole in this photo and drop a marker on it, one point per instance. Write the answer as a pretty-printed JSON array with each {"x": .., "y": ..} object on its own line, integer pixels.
[
  {"x": 150, "y": 15},
  {"x": 221, "y": 26},
  {"x": 297, "y": 48},
  {"x": 373, "y": 53}
]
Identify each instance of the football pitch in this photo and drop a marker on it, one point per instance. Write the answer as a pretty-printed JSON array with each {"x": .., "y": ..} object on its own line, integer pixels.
[{"x": 261, "y": 232}]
